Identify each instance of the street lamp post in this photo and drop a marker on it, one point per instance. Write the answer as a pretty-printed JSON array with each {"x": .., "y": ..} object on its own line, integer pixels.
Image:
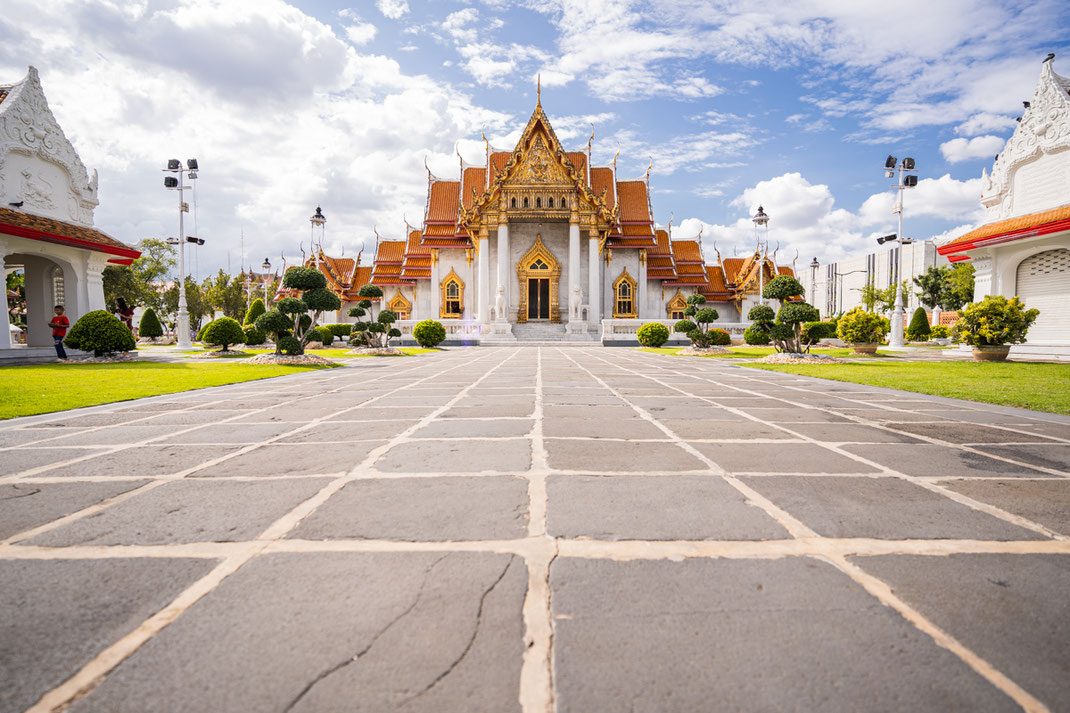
[
  {"x": 761, "y": 219},
  {"x": 814, "y": 264},
  {"x": 175, "y": 183},
  {"x": 267, "y": 278},
  {"x": 907, "y": 179}
]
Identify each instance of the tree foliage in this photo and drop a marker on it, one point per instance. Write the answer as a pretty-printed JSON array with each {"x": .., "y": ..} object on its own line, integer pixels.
[
  {"x": 785, "y": 326},
  {"x": 255, "y": 310},
  {"x": 150, "y": 325},
  {"x": 225, "y": 293},
  {"x": 860, "y": 326},
  {"x": 429, "y": 333},
  {"x": 196, "y": 305},
  {"x": 958, "y": 286},
  {"x": 653, "y": 334},
  {"x": 995, "y": 321},
  {"x": 100, "y": 332},
  {"x": 315, "y": 299},
  {"x": 918, "y": 330},
  {"x": 223, "y": 332},
  {"x": 138, "y": 283},
  {"x": 277, "y": 324}
]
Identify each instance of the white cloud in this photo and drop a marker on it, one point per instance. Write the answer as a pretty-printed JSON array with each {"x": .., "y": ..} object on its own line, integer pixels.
[
  {"x": 394, "y": 9},
  {"x": 984, "y": 122},
  {"x": 957, "y": 150},
  {"x": 691, "y": 152},
  {"x": 361, "y": 33}
]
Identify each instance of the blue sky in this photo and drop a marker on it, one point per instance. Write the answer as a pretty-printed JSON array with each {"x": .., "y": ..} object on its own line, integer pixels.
[{"x": 290, "y": 105}]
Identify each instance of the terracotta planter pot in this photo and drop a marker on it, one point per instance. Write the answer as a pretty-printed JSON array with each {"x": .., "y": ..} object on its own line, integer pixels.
[
  {"x": 991, "y": 353},
  {"x": 865, "y": 348}
]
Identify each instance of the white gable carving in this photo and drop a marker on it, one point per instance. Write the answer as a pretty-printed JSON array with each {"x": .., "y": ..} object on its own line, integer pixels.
[
  {"x": 38, "y": 165},
  {"x": 1032, "y": 173}
]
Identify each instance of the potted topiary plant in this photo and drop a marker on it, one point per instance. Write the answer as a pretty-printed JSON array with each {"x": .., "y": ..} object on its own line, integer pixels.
[
  {"x": 863, "y": 331},
  {"x": 993, "y": 324},
  {"x": 652, "y": 334}
]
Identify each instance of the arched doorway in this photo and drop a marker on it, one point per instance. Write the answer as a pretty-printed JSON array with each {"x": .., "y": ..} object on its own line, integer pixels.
[{"x": 539, "y": 272}]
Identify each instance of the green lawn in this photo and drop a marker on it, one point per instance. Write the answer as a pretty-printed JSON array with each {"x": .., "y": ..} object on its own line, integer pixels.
[
  {"x": 44, "y": 388},
  {"x": 1042, "y": 387},
  {"x": 757, "y": 352}
]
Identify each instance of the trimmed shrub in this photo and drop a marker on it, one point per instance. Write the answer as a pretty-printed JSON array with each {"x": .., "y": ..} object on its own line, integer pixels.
[
  {"x": 339, "y": 330},
  {"x": 275, "y": 323},
  {"x": 222, "y": 332},
  {"x": 719, "y": 337},
  {"x": 100, "y": 332},
  {"x": 861, "y": 327},
  {"x": 321, "y": 334},
  {"x": 684, "y": 326},
  {"x": 653, "y": 334},
  {"x": 429, "y": 333},
  {"x": 939, "y": 331},
  {"x": 782, "y": 287},
  {"x": 289, "y": 346},
  {"x": 918, "y": 330},
  {"x": 253, "y": 336},
  {"x": 755, "y": 336},
  {"x": 255, "y": 310},
  {"x": 994, "y": 321},
  {"x": 761, "y": 314},
  {"x": 150, "y": 325},
  {"x": 814, "y": 332}
]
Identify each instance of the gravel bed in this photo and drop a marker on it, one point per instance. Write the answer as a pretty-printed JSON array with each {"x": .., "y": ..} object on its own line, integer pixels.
[
  {"x": 784, "y": 358},
  {"x": 375, "y": 351},
  {"x": 299, "y": 360}
]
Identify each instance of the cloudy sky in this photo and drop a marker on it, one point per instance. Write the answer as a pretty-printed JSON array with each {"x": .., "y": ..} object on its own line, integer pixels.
[{"x": 288, "y": 105}]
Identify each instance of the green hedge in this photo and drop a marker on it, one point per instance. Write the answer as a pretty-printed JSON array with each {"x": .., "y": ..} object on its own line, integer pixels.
[
  {"x": 653, "y": 334},
  {"x": 100, "y": 332}
]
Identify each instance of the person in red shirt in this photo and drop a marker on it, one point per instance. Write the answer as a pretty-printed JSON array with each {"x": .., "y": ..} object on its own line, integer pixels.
[{"x": 59, "y": 326}]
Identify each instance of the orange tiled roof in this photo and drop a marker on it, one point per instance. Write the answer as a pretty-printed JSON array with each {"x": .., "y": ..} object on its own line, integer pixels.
[
  {"x": 602, "y": 178},
  {"x": 579, "y": 161},
  {"x": 390, "y": 251},
  {"x": 731, "y": 269},
  {"x": 1045, "y": 222},
  {"x": 443, "y": 202},
  {"x": 34, "y": 227},
  {"x": 663, "y": 247},
  {"x": 473, "y": 178},
  {"x": 634, "y": 207},
  {"x": 785, "y": 270},
  {"x": 686, "y": 251},
  {"x": 498, "y": 159}
]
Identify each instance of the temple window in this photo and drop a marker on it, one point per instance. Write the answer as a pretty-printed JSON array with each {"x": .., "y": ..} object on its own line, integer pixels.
[
  {"x": 676, "y": 306},
  {"x": 550, "y": 202},
  {"x": 526, "y": 202},
  {"x": 624, "y": 296},
  {"x": 538, "y": 202},
  {"x": 513, "y": 202},
  {"x": 401, "y": 306},
  {"x": 452, "y": 297}
]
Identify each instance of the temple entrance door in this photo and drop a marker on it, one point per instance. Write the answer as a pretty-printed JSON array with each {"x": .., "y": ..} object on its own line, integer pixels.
[{"x": 538, "y": 298}]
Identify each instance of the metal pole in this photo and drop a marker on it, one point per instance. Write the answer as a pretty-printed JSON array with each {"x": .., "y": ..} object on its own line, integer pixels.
[
  {"x": 183, "y": 314},
  {"x": 898, "y": 313}
]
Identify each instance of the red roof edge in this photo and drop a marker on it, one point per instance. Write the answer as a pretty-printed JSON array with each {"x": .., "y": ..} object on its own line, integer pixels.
[
  {"x": 1009, "y": 236},
  {"x": 20, "y": 232}
]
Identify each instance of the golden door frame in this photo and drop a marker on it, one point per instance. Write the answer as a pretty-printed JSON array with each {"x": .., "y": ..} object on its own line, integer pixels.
[
  {"x": 678, "y": 303},
  {"x": 524, "y": 271},
  {"x": 399, "y": 305},
  {"x": 452, "y": 278}
]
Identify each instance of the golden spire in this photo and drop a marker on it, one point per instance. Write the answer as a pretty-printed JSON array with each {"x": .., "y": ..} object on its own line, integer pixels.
[
  {"x": 615, "y": 159},
  {"x": 649, "y": 168},
  {"x": 590, "y": 140},
  {"x": 538, "y": 90}
]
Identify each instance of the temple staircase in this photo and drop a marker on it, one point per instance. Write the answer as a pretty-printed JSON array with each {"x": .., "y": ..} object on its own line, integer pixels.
[{"x": 549, "y": 334}]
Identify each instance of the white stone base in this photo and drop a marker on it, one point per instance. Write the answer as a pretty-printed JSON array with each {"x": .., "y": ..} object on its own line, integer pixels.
[{"x": 497, "y": 332}]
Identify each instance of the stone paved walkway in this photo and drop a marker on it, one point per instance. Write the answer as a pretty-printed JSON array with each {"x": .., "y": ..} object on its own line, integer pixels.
[{"x": 536, "y": 529}]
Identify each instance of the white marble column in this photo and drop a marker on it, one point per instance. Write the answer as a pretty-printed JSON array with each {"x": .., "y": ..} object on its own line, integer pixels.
[
  {"x": 573, "y": 260},
  {"x": 641, "y": 287},
  {"x": 594, "y": 290},
  {"x": 39, "y": 301},
  {"x": 484, "y": 278},
  {"x": 436, "y": 286},
  {"x": 5, "y": 321},
  {"x": 503, "y": 263},
  {"x": 94, "y": 282}
]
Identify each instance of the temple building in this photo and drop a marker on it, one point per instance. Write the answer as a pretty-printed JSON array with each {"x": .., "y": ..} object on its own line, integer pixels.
[
  {"x": 47, "y": 199},
  {"x": 538, "y": 244},
  {"x": 1024, "y": 248}
]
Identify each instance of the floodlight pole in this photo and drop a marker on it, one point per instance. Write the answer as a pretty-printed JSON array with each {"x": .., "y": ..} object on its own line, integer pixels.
[{"x": 899, "y": 314}]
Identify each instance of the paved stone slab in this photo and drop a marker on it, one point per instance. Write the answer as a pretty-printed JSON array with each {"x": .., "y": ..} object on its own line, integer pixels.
[
  {"x": 292, "y": 459},
  {"x": 977, "y": 415},
  {"x": 237, "y": 433},
  {"x": 587, "y": 428},
  {"x": 28, "y": 504},
  {"x": 620, "y": 456},
  {"x": 142, "y": 461},
  {"x": 431, "y": 456},
  {"x": 508, "y": 410},
  {"x": 1053, "y": 430},
  {"x": 59, "y": 614},
  {"x": 382, "y": 413},
  {"x": 939, "y": 461},
  {"x": 738, "y": 429},
  {"x": 780, "y": 458},
  {"x": 967, "y": 433},
  {"x": 794, "y": 415},
  {"x": 22, "y": 436},
  {"x": 888, "y": 415},
  {"x": 343, "y": 431},
  {"x": 183, "y": 418},
  {"x": 468, "y": 428},
  {"x": 836, "y": 506},
  {"x": 423, "y": 509},
  {"x": 607, "y": 413},
  {"x": 1046, "y": 502},
  {"x": 188, "y": 511},
  {"x": 850, "y": 433},
  {"x": 361, "y": 632},
  {"x": 781, "y": 635},
  {"x": 1012, "y": 610},
  {"x": 74, "y": 419},
  {"x": 121, "y": 435},
  {"x": 672, "y": 507},
  {"x": 17, "y": 460},
  {"x": 1054, "y": 456}
]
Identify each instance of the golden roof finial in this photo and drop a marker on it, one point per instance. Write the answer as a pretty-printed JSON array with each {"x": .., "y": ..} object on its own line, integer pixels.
[
  {"x": 538, "y": 90},
  {"x": 615, "y": 159},
  {"x": 649, "y": 168},
  {"x": 671, "y": 216},
  {"x": 590, "y": 140}
]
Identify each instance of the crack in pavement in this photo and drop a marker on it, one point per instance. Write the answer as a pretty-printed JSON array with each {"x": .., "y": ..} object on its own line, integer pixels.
[
  {"x": 339, "y": 666},
  {"x": 472, "y": 640}
]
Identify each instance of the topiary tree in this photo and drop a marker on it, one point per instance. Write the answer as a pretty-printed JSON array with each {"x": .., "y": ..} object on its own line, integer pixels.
[
  {"x": 255, "y": 310},
  {"x": 340, "y": 330},
  {"x": 253, "y": 336},
  {"x": 653, "y": 334},
  {"x": 100, "y": 332},
  {"x": 861, "y": 327},
  {"x": 719, "y": 337},
  {"x": 315, "y": 299},
  {"x": 320, "y": 334},
  {"x": 223, "y": 332},
  {"x": 786, "y": 331},
  {"x": 366, "y": 293},
  {"x": 429, "y": 333},
  {"x": 277, "y": 324},
  {"x": 150, "y": 325},
  {"x": 918, "y": 330},
  {"x": 289, "y": 346},
  {"x": 697, "y": 327},
  {"x": 762, "y": 318},
  {"x": 814, "y": 332},
  {"x": 756, "y": 336},
  {"x": 386, "y": 318}
]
